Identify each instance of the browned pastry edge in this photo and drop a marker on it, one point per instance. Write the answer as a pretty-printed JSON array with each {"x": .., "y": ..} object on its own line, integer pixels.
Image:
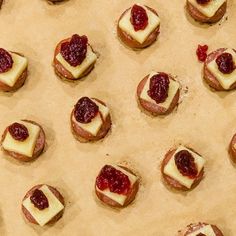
[
  {"x": 83, "y": 135},
  {"x": 56, "y": 193},
  {"x": 174, "y": 183},
  {"x": 61, "y": 71},
  {"x": 154, "y": 108},
  {"x": 232, "y": 149},
  {"x": 198, "y": 16},
  {"x": 130, "y": 196},
  {"x": 39, "y": 146},
  {"x": 210, "y": 79},
  {"x": 131, "y": 42}
]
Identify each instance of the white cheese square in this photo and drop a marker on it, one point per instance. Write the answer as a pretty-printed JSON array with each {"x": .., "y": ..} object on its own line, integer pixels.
[
  {"x": 119, "y": 198},
  {"x": 207, "y": 230},
  {"x": 208, "y": 9},
  {"x": 140, "y": 35},
  {"x": 103, "y": 109},
  {"x": 77, "y": 71},
  {"x": 19, "y": 65},
  {"x": 173, "y": 88},
  {"x": 226, "y": 80},
  {"x": 45, "y": 215},
  {"x": 172, "y": 170},
  {"x": 25, "y": 147}
]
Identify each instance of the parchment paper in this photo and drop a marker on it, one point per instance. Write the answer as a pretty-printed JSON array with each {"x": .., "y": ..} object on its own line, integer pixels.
[{"x": 204, "y": 120}]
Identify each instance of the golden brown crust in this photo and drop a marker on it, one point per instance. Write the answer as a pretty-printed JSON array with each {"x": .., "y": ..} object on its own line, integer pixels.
[
  {"x": 1, "y": 2},
  {"x": 61, "y": 71},
  {"x": 39, "y": 146},
  {"x": 232, "y": 149},
  {"x": 198, "y": 16},
  {"x": 56, "y": 193},
  {"x": 20, "y": 81},
  {"x": 84, "y": 136},
  {"x": 174, "y": 183},
  {"x": 130, "y": 196},
  {"x": 131, "y": 42},
  {"x": 210, "y": 79},
  {"x": 194, "y": 227},
  {"x": 154, "y": 108}
]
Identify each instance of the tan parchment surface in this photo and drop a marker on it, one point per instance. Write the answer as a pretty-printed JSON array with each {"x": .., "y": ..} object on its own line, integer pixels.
[{"x": 204, "y": 120}]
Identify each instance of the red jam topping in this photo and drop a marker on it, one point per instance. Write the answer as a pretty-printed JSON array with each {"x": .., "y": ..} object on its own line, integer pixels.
[
  {"x": 139, "y": 18},
  {"x": 18, "y": 131},
  {"x": 225, "y": 63},
  {"x": 200, "y": 234},
  {"x": 203, "y": 2},
  {"x": 74, "y": 51},
  {"x": 85, "y": 110},
  {"x": 6, "y": 61},
  {"x": 115, "y": 180},
  {"x": 158, "y": 87},
  {"x": 39, "y": 199},
  {"x": 185, "y": 164},
  {"x": 202, "y": 52}
]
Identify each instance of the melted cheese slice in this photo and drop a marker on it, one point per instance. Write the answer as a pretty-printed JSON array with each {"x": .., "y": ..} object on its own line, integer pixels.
[
  {"x": 25, "y": 147},
  {"x": 19, "y": 65},
  {"x": 77, "y": 71},
  {"x": 140, "y": 35},
  {"x": 210, "y": 9},
  {"x": 96, "y": 123},
  {"x": 226, "y": 80},
  {"x": 172, "y": 170},
  {"x": 173, "y": 88},
  {"x": 119, "y": 198},
  {"x": 45, "y": 215},
  {"x": 207, "y": 230}
]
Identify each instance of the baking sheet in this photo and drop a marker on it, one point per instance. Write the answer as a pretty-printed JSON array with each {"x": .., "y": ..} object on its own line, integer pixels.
[{"x": 204, "y": 120}]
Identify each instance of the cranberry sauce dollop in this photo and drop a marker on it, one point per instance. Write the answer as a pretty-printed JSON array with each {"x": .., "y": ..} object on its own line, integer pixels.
[
  {"x": 185, "y": 164},
  {"x": 18, "y": 131},
  {"x": 200, "y": 234},
  {"x": 203, "y": 2},
  {"x": 158, "y": 87},
  {"x": 202, "y": 52},
  {"x": 115, "y": 180},
  {"x": 39, "y": 199},
  {"x": 74, "y": 51},
  {"x": 6, "y": 61},
  {"x": 225, "y": 63},
  {"x": 139, "y": 18},
  {"x": 85, "y": 110}
]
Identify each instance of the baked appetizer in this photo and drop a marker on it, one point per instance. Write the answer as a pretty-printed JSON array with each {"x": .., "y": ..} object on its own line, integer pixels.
[
  {"x": 201, "y": 229},
  {"x": 43, "y": 204},
  {"x": 74, "y": 58},
  {"x": 206, "y": 11},
  {"x": 90, "y": 119},
  {"x": 13, "y": 70},
  {"x": 138, "y": 27},
  {"x": 55, "y": 1},
  {"x": 116, "y": 185},
  {"x": 219, "y": 69},
  {"x": 182, "y": 168},
  {"x": 232, "y": 149},
  {"x": 158, "y": 93},
  {"x": 23, "y": 140}
]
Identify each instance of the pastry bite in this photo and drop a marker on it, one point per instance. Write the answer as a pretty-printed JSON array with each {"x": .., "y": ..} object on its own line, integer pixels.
[
  {"x": 158, "y": 93},
  {"x": 116, "y": 185},
  {"x": 206, "y": 11},
  {"x": 90, "y": 119},
  {"x": 200, "y": 229},
  {"x": 182, "y": 168},
  {"x": 42, "y": 205},
  {"x": 13, "y": 70},
  {"x": 23, "y": 140},
  {"x": 138, "y": 26},
  {"x": 232, "y": 149},
  {"x": 74, "y": 58},
  {"x": 56, "y": 1},
  {"x": 219, "y": 69}
]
